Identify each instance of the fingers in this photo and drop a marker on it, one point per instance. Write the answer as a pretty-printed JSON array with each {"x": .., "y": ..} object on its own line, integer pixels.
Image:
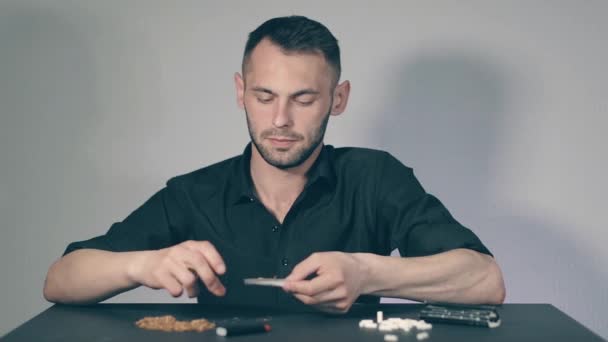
[
  {"x": 313, "y": 287},
  {"x": 197, "y": 262},
  {"x": 305, "y": 268},
  {"x": 332, "y": 289},
  {"x": 186, "y": 279},
  {"x": 333, "y": 306},
  {"x": 170, "y": 283},
  {"x": 187, "y": 262},
  {"x": 212, "y": 256},
  {"x": 336, "y": 307},
  {"x": 296, "y": 282},
  {"x": 336, "y": 294},
  {"x": 209, "y": 278},
  {"x": 324, "y": 297}
]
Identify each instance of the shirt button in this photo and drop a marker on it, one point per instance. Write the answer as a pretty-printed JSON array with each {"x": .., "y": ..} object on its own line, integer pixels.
[
  {"x": 285, "y": 262},
  {"x": 251, "y": 199},
  {"x": 275, "y": 228}
]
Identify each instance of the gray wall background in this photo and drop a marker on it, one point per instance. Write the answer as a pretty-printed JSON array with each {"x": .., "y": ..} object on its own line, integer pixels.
[{"x": 501, "y": 109}]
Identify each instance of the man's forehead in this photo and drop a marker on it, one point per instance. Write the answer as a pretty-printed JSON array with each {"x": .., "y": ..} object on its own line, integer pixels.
[
  {"x": 267, "y": 49},
  {"x": 269, "y": 63}
]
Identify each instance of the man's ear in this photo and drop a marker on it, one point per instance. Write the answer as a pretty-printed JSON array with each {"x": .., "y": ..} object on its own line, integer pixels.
[
  {"x": 340, "y": 98},
  {"x": 239, "y": 84}
]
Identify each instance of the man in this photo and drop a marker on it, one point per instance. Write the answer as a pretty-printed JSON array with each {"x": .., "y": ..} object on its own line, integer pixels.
[{"x": 289, "y": 207}]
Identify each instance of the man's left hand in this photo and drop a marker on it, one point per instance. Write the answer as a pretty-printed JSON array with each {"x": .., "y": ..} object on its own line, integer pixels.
[{"x": 338, "y": 281}]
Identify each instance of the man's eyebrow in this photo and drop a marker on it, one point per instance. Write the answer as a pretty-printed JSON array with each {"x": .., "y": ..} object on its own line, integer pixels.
[
  {"x": 308, "y": 91},
  {"x": 263, "y": 90}
]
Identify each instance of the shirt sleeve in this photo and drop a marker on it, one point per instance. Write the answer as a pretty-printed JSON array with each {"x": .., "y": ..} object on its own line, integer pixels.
[
  {"x": 154, "y": 225},
  {"x": 419, "y": 223}
]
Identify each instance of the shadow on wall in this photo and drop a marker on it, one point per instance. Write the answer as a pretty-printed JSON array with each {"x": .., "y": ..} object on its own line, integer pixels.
[{"x": 445, "y": 120}]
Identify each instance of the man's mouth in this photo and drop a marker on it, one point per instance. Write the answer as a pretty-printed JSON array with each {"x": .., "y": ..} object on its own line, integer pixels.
[{"x": 281, "y": 141}]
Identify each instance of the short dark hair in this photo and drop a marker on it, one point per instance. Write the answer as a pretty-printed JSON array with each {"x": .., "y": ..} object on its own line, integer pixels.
[{"x": 296, "y": 34}]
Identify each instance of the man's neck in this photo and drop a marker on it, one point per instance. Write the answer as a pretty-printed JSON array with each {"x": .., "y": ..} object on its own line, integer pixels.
[{"x": 279, "y": 188}]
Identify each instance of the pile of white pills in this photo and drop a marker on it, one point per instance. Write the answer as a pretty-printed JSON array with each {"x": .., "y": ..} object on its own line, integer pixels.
[{"x": 397, "y": 324}]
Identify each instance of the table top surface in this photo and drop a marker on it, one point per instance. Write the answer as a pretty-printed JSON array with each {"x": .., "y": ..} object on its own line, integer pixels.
[{"x": 115, "y": 322}]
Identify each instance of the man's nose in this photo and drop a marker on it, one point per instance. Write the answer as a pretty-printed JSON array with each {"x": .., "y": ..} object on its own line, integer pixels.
[{"x": 282, "y": 116}]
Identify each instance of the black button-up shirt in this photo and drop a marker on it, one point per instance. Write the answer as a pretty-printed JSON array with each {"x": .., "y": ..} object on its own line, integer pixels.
[{"x": 355, "y": 200}]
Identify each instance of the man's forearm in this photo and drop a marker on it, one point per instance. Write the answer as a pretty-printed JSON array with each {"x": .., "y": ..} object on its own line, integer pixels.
[
  {"x": 458, "y": 276},
  {"x": 88, "y": 276}
]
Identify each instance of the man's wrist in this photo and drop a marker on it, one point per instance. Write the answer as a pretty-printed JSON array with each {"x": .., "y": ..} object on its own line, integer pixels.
[
  {"x": 134, "y": 264},
  {"x": 368, "y": 266}
]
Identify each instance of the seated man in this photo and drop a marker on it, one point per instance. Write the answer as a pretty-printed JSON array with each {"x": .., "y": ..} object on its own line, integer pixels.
[{"x": 324, "y": 218}]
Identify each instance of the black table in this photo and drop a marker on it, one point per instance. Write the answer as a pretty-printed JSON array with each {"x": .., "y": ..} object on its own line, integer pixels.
[{"x": 115, "y": 322}]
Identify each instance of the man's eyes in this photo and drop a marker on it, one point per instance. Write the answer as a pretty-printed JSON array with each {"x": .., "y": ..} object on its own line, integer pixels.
[
  {"x": 303, "y": 101},
  {"x": 264, "y": 99}
]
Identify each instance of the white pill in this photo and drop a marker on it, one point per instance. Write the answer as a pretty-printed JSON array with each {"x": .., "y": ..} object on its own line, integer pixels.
[
  {"x": 365, "y": 322},
  {"x": 494, "y": 324},
  {"x": 406, "y": 328},
  {"x": 369, "y": 325},
  {"x": 379, "y": 316},
  {"x": 422, "y": 336},
  {"x": 424, "y": 326},
  {"x": 387, "y": 328},
  {"x": 388, "y": 323},
  {"x": 391, "y": 338}
]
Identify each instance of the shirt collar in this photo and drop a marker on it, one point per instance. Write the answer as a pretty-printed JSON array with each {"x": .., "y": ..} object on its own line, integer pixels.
[{"x": 241, "y": 184}]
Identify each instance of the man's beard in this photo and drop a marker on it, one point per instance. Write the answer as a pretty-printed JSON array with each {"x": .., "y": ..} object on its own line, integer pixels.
[{"x": 297, "y": 157}]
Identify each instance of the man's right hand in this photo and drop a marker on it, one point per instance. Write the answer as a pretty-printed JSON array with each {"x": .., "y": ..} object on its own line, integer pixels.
[{"x": 177, "y": 268}]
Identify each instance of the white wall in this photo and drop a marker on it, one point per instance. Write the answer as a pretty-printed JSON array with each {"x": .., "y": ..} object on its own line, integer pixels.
[{"x": 500, "y": 108}]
